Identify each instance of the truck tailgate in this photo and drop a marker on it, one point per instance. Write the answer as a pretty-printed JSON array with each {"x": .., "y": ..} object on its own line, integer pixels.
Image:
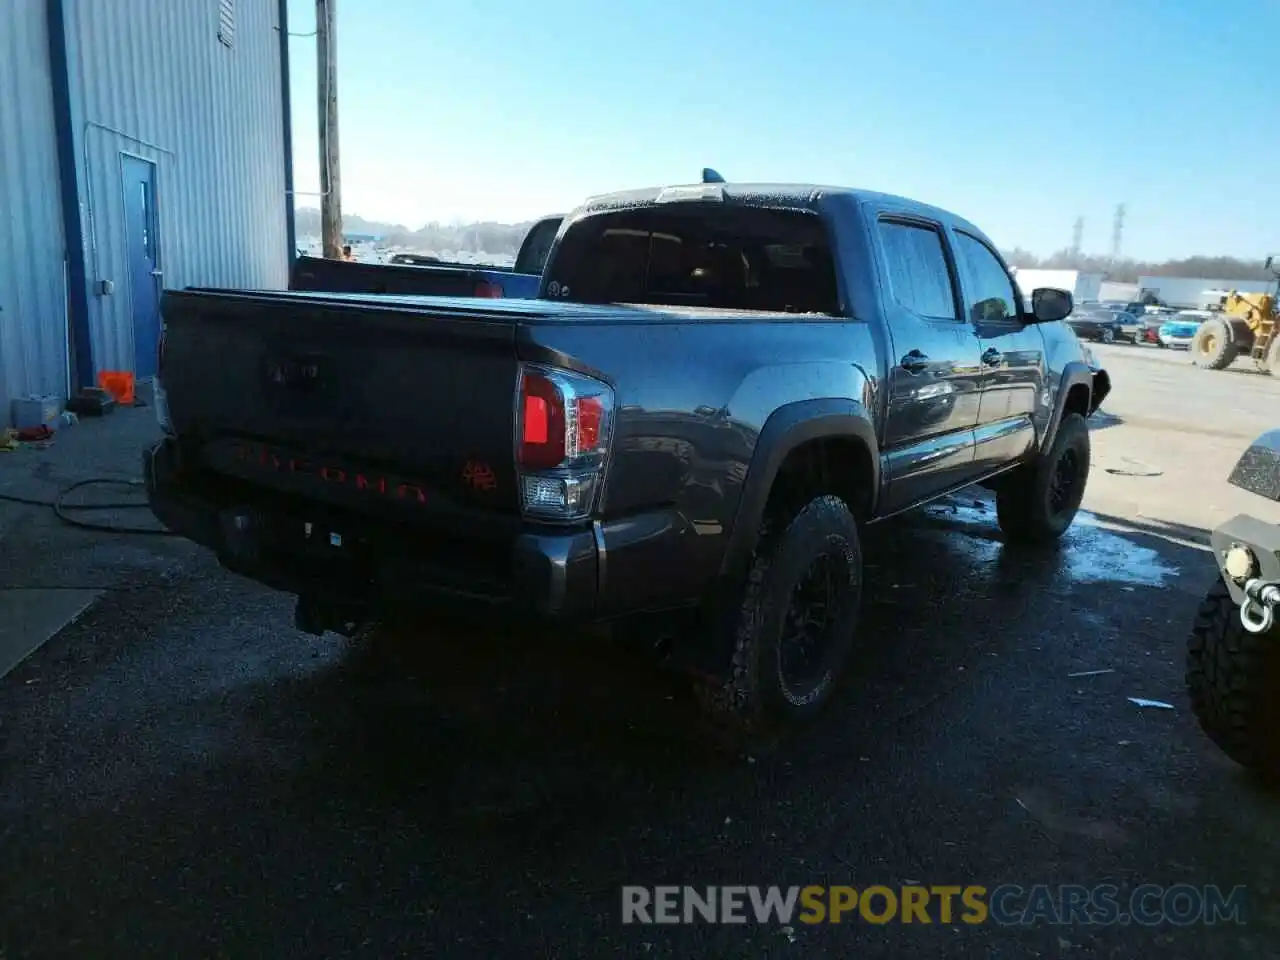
[{"x": 385, "y": 405}]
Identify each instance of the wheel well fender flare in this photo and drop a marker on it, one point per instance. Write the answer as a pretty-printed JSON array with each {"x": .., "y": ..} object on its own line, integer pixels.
[
  {"x": 786, "y": 429},
  {"x": 1076, "y": 374}
]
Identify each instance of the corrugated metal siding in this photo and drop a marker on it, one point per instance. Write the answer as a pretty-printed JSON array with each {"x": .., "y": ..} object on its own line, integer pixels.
[
  {"x": 153, "y": 79},
  {"x": 33, "y": 326}
]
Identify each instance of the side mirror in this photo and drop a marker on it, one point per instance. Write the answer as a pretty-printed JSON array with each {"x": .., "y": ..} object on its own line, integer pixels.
[{"x": 1049, "y": 304}]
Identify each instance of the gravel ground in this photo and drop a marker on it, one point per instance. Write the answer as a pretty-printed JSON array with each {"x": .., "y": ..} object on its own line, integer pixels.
[{"x": 184, "y": 775}]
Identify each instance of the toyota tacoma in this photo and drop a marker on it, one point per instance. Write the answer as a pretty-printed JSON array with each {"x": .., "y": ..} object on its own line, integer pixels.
[{"x": 717, "y": 387}]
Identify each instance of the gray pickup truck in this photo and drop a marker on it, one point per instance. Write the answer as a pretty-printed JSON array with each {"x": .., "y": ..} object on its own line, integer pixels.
[{"x": 717, "y": 387}]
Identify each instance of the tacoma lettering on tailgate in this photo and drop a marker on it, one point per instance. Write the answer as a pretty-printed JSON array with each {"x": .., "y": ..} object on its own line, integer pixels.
[{"x": 290, "y": 470}]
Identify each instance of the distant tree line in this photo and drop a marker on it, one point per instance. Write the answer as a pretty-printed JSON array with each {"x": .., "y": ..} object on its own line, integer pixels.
[
  {"x": 484, "y": 237},
  {"x": 1128, "y": 271},
  {"x": 504, "y": 239}
]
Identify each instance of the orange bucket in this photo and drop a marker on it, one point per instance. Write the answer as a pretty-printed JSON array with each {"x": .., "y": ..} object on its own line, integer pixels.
[{"x": 119, "y": 384}]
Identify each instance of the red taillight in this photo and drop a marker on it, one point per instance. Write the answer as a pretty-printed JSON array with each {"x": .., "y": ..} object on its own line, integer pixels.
[
  {"x": 542, "y": 428},
  {"x": 564, "y": 423},
  {"x": 488, "y": 290}
]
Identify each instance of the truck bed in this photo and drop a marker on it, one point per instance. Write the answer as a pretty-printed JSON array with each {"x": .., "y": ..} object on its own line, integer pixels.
[{"x": 399, "y": 405}]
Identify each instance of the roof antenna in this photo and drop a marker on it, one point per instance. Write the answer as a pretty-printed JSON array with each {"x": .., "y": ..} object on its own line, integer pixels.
[{"x": 710, "y": 176}]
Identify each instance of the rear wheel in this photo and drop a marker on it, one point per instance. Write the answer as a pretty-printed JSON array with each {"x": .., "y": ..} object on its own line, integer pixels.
[
  {"x": 1233, "y": 680},
  {"x": 1107, "y": 335},
  {"x": 1212, "y": 346},
  {"x": 1037, "y": 502},
  {"x": 796, "y": 621}
]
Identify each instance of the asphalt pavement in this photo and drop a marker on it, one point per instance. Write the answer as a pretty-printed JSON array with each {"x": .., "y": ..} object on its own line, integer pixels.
[{"x": 185, "y": 775}]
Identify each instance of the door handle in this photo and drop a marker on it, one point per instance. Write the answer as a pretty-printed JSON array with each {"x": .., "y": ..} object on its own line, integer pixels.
[
  {"x": 914, "y": 362},
  {"x": 157, "y": 273},
  {"x": 992, "y": 357}
]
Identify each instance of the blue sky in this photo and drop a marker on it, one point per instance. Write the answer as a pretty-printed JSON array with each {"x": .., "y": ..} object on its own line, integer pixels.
[{"x": 1018, "y": 115}]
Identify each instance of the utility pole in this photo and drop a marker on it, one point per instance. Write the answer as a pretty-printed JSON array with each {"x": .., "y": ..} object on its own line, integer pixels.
[
  {"x": 1117, "y": 233},
  {"x": 1077, "y": 237},
  {"x": 330, "y": 169}
]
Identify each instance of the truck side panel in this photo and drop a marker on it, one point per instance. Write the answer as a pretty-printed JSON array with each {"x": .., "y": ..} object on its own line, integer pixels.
[{"x": 686, "y": 439}]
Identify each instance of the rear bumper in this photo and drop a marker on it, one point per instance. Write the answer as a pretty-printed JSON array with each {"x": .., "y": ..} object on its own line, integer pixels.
[{"x": 581, "y": 574}]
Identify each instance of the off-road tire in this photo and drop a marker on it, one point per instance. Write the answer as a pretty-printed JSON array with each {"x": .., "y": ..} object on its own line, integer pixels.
[
  {"x": 1024, "y": 504},
  {"x": 755, "y": 699},
  {"x": 1233, "y": 680},
  {"x": 1212, "y": 347}
]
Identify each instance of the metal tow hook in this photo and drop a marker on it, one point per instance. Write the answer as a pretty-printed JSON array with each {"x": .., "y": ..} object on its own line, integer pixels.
[{"x": 1257, "y": 613}]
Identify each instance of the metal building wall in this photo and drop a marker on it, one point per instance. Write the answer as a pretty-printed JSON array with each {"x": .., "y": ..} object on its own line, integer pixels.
[
  {"x": 33, "y": 325},
  {"x": 153, "y": 79}
]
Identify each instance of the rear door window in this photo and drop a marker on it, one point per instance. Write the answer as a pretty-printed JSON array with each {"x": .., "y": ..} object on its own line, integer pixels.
[
  {"x": 919, "y": 276},
  {"x": 726, "y": 256}
]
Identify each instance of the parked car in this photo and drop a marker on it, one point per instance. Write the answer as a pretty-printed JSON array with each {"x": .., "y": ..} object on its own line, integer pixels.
[
  {"x": 423, "y": 275},
  {"x": 1133, "y": 326},
  {"x": 685, "y": 434},
  {"x": 1101, "y": 326},
  {"x": 1179, "y": 330}
]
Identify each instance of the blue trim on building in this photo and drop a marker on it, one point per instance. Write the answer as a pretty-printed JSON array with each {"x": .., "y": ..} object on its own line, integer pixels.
[
  {"x": 287, "y": 111},
  {"x": 69, "y": 190}
]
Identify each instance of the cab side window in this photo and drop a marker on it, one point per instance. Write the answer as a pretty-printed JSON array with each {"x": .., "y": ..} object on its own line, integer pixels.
[
  {"x": 919, "y": 277},
  {"x": 991, "y": 293}
]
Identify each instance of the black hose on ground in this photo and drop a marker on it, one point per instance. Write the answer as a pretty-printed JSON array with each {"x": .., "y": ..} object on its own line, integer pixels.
[{"x": 60, "y": 507}]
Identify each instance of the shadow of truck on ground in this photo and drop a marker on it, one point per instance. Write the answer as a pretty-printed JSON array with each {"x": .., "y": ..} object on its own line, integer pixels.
[{"x": 488, "y": 793}]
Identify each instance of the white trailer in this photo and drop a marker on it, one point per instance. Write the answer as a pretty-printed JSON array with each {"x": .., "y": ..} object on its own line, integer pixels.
[{"x": 1081, "y": 285}]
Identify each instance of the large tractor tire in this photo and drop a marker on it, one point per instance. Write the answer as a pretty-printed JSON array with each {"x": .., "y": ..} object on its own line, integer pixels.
[
  {"x": 1213, "y": 347},
  {"x": 1233, "y": 680},
  {"x": 1272, "y": 363}
]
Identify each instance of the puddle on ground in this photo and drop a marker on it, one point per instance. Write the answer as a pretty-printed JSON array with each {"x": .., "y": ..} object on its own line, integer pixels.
[
  {"x": 1089, "y": 552},
  {"x": 1098, "y": 555}
]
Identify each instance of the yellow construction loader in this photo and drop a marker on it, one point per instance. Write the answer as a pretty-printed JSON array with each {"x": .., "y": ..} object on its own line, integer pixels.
[{"x": 1246, "y": 325}]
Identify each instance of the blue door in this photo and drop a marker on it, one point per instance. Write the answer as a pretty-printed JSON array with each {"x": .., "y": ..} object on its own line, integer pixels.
[{"x": 142, "y": 254}]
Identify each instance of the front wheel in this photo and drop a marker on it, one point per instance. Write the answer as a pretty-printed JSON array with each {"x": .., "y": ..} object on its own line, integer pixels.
[
  {"x": 1233, "y": 680},
  {"x": 796, "y": 621},
  {"x": 1212, "y": 346},
  {"x": 1037, "y": 501}
]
